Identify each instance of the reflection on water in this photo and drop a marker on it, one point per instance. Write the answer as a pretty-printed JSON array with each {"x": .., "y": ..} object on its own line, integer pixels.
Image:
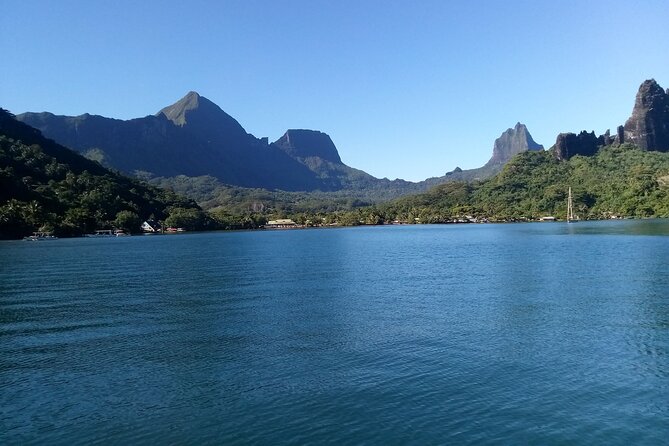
[
  {"x": 659, "y": 227},
  {"x": 474, "y": 334}
]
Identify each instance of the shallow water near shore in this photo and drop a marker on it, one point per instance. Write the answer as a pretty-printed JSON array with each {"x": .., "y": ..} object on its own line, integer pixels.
[{"x": 538, "y": 333}]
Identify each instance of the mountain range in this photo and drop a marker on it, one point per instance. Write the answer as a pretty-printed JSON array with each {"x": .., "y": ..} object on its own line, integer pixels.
[
  {"x": 45, "y": 185},
  {"x": 195, "y": 137},
  {"x": 647, "y": 128},
  {"x": 510, "y": 143},
  {"x": 49, "y": 188}
]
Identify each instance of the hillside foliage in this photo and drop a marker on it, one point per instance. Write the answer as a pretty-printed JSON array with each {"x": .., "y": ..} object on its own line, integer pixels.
[
  {"x": 47, "y": 187},
  {"x": 619, "y": 181}
]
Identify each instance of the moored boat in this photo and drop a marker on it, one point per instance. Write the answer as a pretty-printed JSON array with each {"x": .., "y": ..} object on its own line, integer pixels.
[
  {"x": 571, "y": 218},
  {"x": 102, "y": 233},
  {"x": 38, "y": 236}
]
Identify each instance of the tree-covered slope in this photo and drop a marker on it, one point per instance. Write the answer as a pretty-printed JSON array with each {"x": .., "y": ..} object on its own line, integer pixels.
[
  {"x": 620, "y": 181},
  {"x": 45, "y": 186}
]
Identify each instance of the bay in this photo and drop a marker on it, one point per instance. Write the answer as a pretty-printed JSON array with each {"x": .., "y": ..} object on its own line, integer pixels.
[{"x": 538, "y": 333}]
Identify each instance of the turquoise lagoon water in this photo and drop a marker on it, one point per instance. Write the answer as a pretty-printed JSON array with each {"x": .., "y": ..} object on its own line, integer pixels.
[{"x": 461, "y": 334}]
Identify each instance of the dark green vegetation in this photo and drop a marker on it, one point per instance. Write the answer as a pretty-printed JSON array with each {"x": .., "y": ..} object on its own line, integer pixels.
[
  {"x": 193, "y": 148},
  {"x": 213, "y": 195},
  {"x": 347, "y": 188},
  {"x": 619, "y": 181},
  {"x": 47, "y": 187}
]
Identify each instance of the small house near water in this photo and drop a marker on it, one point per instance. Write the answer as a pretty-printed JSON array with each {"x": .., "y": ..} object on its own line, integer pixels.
[
  {"x": 151, "y": 226},
  {"x": 282, "y": 223}
]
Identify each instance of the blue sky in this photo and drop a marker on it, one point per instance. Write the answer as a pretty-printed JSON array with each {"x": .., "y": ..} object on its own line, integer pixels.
[{"x": 405, "y": 89}]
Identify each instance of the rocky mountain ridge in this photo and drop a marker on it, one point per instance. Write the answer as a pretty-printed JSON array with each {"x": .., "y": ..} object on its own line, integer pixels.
[
  {"x": 192, "y": 137},
  {"x": 195, "y": 137},
  {"x": 301, "y": 143},
  {"x": 512, "y": 142},
  {"x": 49, "y": 188},
  {"x": 647, "y": 127}
]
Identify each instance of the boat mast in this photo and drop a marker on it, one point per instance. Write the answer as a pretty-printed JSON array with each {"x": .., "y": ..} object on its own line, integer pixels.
[{"x": 570, "y": 209}]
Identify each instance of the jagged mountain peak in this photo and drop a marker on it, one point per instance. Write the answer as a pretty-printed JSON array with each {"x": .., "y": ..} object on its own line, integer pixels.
[
  {"x": 200, "y": 116},
  {"x": 650, "y": 84},
  {"x": 179, "y": 112},
  {"x": 648, "y": 127},
  {"x": 302, "y": 143},
  {"x": 650, "y": 95},
  {"x": 512, "y": 141}
]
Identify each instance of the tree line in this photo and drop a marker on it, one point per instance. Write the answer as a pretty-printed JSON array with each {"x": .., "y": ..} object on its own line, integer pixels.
[{"x": 47, "y": 187}]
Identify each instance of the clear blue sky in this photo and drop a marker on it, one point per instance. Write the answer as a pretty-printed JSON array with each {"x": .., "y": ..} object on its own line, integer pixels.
[{"x": 407, "y": 89}]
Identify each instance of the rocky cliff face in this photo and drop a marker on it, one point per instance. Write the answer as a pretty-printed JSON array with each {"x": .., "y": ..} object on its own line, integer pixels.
[
  {"x": 191, "y": 137},
  {"x": 195, "y": 137},
  {"x": 199, "y": 115},
  {"x": 308, "y": 143},
  {"x": 512, "y": 142},
  {"x": 190, "y": 103},
  {"x": 648, "y": 127},
  {"x": 570, "y": 144}
]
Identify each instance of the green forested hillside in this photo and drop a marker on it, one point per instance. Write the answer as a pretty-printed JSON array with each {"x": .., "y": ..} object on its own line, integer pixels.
[
  {"x": 211, "y": 194},
  {"x": 620, "y": 181},
  {"x": 47, "y": 187}
]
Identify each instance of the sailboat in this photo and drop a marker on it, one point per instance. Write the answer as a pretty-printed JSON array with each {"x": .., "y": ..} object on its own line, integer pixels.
[{"x": 571, "y": 218}]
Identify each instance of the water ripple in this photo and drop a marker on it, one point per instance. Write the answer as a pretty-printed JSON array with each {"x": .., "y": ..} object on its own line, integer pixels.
[{"x": 400, "y": 335}]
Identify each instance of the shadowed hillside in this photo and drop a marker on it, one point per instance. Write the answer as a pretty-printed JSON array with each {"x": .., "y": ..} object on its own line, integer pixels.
[{"x": 47, "y": 187}]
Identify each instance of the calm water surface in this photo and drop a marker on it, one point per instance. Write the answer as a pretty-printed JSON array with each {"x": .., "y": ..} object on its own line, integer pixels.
[{"x": 470, "y": 334}]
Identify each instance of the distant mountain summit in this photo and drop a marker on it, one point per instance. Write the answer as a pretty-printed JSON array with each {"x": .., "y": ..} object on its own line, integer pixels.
[
  {"x": 191, "y": 137},
  {"x": 195, "y": 137},
  {"x": 201, "y": 116},
  {"x": 512, "y": 142},
  {"x": 308, "y": 143},
  {"x": 47, "y": 187},
  {"x": 191, "y": 102},
  {"x": 648, "y": 127}
]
